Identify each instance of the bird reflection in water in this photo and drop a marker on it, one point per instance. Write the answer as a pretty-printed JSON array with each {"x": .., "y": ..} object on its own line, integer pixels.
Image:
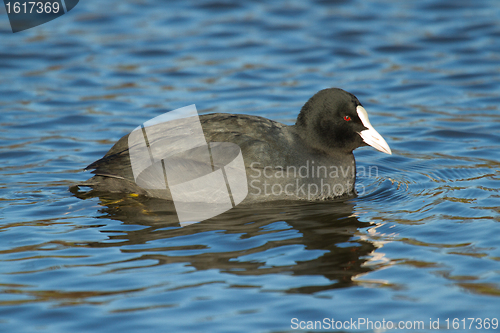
[{"x": 323, "y": 238}]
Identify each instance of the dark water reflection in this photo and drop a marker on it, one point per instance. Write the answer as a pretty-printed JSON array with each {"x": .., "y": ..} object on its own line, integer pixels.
[{"x": 263, "y": 238}]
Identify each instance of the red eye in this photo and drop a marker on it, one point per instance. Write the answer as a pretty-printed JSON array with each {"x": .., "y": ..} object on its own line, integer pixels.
[{"x": 347, "y": 118}]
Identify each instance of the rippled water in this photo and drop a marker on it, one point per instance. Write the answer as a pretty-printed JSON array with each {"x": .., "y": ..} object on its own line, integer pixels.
[{"x": 420, "y": 241}]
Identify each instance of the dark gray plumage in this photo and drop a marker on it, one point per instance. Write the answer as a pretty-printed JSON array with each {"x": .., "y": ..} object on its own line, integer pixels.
[{"x": 310, "y": 160}]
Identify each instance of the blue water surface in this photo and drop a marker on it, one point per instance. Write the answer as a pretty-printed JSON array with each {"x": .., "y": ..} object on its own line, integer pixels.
[{"x": 419, "y": 243}]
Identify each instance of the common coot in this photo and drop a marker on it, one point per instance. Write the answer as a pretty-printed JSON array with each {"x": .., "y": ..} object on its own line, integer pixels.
[{"x": 311, "y": 160}]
